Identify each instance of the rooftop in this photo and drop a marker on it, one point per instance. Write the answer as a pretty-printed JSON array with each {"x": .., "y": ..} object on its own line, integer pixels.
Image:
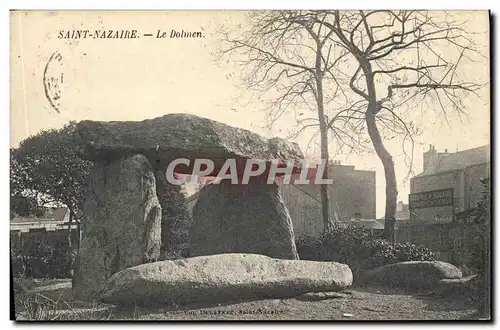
[
  {"x": 446, "y": 162},
  {"x": 51, "y": 215}
]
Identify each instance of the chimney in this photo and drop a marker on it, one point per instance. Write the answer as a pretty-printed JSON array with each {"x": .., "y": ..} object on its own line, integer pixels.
[
  {"x": 400, "y": 206},
  {"x": 430, "y": 157}
]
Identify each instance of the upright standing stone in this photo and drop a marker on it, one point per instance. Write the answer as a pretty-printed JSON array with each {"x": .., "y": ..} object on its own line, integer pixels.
[
  {"x": 248, "y": 218},
  {"x": 121, "y": 224}
]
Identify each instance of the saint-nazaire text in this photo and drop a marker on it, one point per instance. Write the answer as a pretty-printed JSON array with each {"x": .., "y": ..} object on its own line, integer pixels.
[
  {"x": 98, "y": 34},
  {"x": 127, "y": 34}
]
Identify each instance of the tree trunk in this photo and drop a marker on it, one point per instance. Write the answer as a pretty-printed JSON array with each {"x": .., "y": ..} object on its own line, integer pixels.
[
  {"x": 325, "y": 209},
  {"x": 391, "y": 193},
  {"x": 70, "y": 243},
  {"x": 72, "y": 246},
  {"x": 390, "y": 176},
  {"x": 325, "y": 203}
]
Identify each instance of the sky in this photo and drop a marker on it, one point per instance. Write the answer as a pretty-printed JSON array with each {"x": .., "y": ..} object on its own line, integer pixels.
[{"x": 137, "y": 79}]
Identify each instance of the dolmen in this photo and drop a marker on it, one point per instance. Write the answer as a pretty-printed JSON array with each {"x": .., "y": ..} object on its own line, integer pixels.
[{"x": 129, "y": 213}]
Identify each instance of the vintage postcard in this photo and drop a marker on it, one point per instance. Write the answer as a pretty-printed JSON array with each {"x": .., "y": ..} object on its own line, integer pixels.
[{"x": 250, "y": 165}]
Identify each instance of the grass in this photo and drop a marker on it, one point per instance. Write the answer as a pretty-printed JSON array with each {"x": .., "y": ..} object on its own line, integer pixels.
[{"x": 43, "y": 300}]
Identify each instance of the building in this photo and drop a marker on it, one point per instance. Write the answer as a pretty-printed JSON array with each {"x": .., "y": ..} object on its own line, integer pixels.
[
  {"x": 402, "y": 211},
  {"x": 461, "y": 171},
  {"x": 402, "y": 215},
  {"x": 52, "y": 218}
]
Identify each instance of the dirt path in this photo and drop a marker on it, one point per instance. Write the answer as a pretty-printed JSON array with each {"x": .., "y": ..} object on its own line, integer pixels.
[{"x": 359, "y": 303}]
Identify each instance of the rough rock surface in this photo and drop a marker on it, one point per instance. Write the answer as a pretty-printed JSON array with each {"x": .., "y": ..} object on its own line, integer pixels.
[
  {"x": 241, "y": 219},
  {"x": 413, "y": 274},
  {"x": 180, "y": 136},
  {"x": 223, "y": 278},
  {"x": 121, "y": 227}
]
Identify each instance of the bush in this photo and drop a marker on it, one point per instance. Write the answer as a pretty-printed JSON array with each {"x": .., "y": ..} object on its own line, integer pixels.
[
  {"x": 40, "y": 258},
  {"x": 307, "y": 247},
  {"x": 359, "y": 248}
]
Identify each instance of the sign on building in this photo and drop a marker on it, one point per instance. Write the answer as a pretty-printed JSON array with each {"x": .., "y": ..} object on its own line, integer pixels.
[{"x": 433, "y": 198}]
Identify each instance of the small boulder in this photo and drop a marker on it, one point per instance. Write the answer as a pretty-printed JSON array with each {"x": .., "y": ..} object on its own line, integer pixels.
[
  {"x": 413, "y": 274},
  {"x": 223, "y": 278},
  {"x": 465, "y": 286}
]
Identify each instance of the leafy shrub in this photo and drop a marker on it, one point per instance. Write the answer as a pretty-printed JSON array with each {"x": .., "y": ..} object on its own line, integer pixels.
[
  {"x": 40, "y": 258},
  {"x": 359, "y": 248},
  {"x": 307, "y": 247}
]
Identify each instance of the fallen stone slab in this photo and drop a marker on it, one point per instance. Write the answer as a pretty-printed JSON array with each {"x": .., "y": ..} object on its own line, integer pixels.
[
  {"x": 242, "y": 219},
  {"x": 173, "y": 136},
  {"x": 223, "y": 278},
  {"x": 413, "y": 274}
]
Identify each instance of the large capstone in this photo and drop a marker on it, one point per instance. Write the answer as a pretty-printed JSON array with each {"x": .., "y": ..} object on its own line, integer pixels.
[
  {"x": 121, "y": 223},
  {"x": 251, "y": 218},
  {"x": 174, "y": 136},
  {"x": 223, "y": 278}
]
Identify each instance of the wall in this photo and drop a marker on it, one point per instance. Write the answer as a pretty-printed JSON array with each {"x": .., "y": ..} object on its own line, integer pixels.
[
  {"x": 473, "y": 186},
  {"x": 303, "y": 203},
  {"x": 444, "y": 180},
  {"x": 453, "y": 242},
  {"x": 466, "y": 187}
]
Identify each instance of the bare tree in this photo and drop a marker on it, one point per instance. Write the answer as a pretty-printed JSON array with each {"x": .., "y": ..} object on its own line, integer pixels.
[
  {"x": 287, "y": 59},
  {"x": 416, "y": 57}
]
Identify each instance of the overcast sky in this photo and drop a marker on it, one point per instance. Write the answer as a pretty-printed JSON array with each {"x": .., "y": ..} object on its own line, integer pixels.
[{"x": 143, "y": 78}]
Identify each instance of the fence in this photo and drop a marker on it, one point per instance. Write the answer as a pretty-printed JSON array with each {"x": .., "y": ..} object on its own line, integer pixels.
[
  {"x": 456, "y": 243},
  {"x": 304, "y": 206}
]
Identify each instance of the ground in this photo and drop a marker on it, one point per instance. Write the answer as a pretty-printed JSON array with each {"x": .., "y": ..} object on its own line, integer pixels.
[{"x": 51, "y": 300}]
